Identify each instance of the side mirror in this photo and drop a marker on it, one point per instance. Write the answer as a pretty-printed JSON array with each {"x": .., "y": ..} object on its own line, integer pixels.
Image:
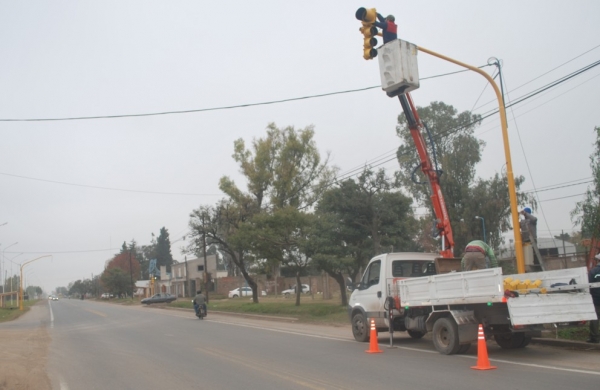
[{"x": 350, "y": 285}]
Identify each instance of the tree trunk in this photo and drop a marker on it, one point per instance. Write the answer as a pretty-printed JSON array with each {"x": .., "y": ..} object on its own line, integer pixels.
[
  {"x": 298, "y": 289},
  {"x": 339, "y": 278}
]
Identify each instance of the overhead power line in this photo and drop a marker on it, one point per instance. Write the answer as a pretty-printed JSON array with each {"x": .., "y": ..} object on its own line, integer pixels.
[{"x": 216, "y": 108}]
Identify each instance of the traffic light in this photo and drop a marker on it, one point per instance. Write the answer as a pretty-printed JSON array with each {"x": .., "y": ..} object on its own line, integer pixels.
[{"x": 369, "y": 31}]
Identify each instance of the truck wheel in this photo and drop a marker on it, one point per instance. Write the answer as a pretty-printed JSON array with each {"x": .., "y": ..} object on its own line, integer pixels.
[
  {"x": 360, "y": 328},
  {"x": 464, "y": 348},
  {"x": 512, "y": 340},
  {"x": 445, "y": 336},
  {"x": 526, "y": 341},
  {"x": 415, "y": 334}
]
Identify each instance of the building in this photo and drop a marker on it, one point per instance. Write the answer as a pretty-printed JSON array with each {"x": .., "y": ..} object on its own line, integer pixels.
[{"x": 188, "y": 275}]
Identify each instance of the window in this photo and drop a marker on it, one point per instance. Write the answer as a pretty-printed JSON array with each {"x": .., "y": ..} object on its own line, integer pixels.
[
  {"x": 371, "y": 276},
  {"x": 200, "y": 268}
]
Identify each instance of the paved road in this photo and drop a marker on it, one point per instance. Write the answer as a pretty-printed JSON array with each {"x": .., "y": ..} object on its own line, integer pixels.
[{"x": 98, "y": 345}]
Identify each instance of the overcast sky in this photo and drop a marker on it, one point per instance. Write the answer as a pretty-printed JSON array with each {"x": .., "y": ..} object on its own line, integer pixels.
[{"x": 77, "y": 189}]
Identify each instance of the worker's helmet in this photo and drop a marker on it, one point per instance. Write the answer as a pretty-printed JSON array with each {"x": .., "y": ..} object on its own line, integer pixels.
[
  {"x": 391, "y": 18},
  {"x": 527, "y": 210}
]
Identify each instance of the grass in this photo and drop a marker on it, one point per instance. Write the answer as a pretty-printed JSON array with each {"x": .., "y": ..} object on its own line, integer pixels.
[
  {"x": 10, "y": 313},
  {"x": 577, "y": 333},
  {"x": 314, "y": 311}
]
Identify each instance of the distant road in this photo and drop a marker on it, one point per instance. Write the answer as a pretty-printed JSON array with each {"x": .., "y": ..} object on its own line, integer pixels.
[{"x": 97, "y": 345}]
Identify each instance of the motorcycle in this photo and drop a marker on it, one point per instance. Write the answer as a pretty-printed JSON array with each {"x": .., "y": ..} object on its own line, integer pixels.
[{"x": 200, "y": 312}]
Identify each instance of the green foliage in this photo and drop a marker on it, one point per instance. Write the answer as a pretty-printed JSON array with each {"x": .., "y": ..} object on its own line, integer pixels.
[
  {"x": 360, "y": 219},
  {"x": 457, "y": 152},
  {"x": 587, "y": 212},
  {"x": 163, "y": 250},
  {"x": 116, "y": 281}
]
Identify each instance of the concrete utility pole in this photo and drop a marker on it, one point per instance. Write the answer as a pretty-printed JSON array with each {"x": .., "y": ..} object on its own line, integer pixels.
[
  {"x": 131, "y": 274},
  {"x": 205, "y": 263}
]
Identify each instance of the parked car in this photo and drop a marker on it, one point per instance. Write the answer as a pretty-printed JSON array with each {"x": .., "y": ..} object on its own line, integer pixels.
[
  {"x": 159, "y": 298},
  {"x": 290, "y": 291},
  {"x": 106, "y": 296},
  {"x": 53, "y": 298},
  {"x": 246, "y": 292}
]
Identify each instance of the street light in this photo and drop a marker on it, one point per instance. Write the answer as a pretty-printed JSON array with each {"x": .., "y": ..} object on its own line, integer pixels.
[
  {"x": 483, "y": 224},
  {"x": 1, "y": 268},
  {"x": 21, "y": 278},
  {"x": 11, "y": 276}
]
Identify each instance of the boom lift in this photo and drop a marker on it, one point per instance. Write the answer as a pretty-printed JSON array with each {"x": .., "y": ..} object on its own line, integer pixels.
[{"x": 416, "y": 127}]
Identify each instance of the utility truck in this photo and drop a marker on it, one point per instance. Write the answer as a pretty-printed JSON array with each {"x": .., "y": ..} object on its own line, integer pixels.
[
  {"x": 410, "y": 292},
  {"x": 426, "y": 292}
]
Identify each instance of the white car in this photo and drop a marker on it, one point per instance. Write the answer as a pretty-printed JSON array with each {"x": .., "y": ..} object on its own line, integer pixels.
[
  {"x": 246, "y": 292},
  {"x": 290, "y": 291}
]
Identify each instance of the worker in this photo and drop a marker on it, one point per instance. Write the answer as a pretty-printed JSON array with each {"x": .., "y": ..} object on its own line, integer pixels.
[
  {"x": 475, "y": 254},
  {"x": 389, "y": 28},
  {"x": 594, "y": 277},
  {"x": 528, "y": 226}
]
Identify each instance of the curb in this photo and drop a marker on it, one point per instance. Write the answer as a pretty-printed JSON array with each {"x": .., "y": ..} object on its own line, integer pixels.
[{"x": 579, "y": 345}]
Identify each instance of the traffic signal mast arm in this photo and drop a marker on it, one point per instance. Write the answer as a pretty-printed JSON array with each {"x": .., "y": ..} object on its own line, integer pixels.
[{"x": 437, "y": 199}]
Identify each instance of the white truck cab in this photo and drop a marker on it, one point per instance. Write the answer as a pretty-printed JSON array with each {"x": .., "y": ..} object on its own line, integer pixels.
[{"x": 368, "y": 299}]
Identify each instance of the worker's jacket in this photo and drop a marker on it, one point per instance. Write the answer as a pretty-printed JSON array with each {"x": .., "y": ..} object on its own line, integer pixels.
[{"x": 389, "y": 29}]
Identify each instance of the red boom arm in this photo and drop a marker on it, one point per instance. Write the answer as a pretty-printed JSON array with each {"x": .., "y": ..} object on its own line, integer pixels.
[{"x": 437, "y": 199}]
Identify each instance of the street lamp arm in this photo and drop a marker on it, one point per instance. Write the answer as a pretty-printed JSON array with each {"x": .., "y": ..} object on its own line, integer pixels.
[
  {"x": 21, "y": 278},
  {"x": 509, "y": 171}
]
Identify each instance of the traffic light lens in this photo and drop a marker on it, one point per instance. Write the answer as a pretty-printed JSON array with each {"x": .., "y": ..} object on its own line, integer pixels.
[
  {"x": 360, "y": 13},
  {"x": 373, "y": 42}
]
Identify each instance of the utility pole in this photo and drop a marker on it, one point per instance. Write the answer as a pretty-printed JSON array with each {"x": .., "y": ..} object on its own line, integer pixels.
[
  {"x": 205, "y": 265},
  {"x": 130, "y": 273}
]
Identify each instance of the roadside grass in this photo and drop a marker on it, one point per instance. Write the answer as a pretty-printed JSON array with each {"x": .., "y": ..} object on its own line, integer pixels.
[
  {"x": 313, "y": 311},
  {"x": 10, "y": 313},
  {"x": 581, "y": 333}
]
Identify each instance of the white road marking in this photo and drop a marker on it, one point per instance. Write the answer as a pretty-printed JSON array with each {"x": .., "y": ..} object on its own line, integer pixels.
[
  {"x": 63, "y": 384},
  {"x": 51, "y": 316}
]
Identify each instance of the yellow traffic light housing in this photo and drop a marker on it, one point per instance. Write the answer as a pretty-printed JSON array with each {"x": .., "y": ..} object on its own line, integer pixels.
[{"x": 369, "y": 31}]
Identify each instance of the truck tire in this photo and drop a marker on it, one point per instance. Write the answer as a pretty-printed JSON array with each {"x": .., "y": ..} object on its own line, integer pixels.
[
  {"x": 445, "y": 336},
  {"x": 512, "y": 340},
  {"x": 360, "y": 328},
  {"x": 415, "y": 334},
  {"x": 464, "y": 348}
]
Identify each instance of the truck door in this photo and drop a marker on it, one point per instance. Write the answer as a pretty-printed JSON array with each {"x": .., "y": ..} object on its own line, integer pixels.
[{"x": 370, "y": 293}]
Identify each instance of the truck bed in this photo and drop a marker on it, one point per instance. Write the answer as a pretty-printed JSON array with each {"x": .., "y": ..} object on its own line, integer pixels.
[{"x": 486, "y": 286}]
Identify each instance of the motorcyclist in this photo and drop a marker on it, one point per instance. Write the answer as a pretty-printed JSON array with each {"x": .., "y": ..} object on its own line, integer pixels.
[{"x": 200, "y": 301}]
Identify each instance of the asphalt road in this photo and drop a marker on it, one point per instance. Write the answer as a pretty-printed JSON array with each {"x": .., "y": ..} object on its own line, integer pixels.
[{"x": 97, "y": 345}]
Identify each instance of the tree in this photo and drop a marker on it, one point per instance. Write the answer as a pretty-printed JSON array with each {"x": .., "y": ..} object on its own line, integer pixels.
[
  {"x": 587, "y": 211},
  {"x": 283, "y": 236},
  {"x": 455, "y": 151},
  {"x": 283, "y": 169},
  {"x": 116, "y": 281},
  {"x": 217, "y": 224},
  {"x": 358, "y": 220},
  {"x": 113, "y": 281},
  {"x": 163, "y": 250}
]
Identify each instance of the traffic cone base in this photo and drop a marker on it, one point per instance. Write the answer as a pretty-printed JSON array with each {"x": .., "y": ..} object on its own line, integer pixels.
[
  {"x": 483, "y": 363},
  {"x": 373, "y": 345}
]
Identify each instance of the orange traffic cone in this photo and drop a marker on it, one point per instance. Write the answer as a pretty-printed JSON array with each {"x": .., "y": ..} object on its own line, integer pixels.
[
  {"x": 483, "y": 363},
  {"x": 373, "y": 345}
]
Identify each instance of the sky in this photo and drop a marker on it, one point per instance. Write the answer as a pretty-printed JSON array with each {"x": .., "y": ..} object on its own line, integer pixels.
[{"x": 77, "y": 189}]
